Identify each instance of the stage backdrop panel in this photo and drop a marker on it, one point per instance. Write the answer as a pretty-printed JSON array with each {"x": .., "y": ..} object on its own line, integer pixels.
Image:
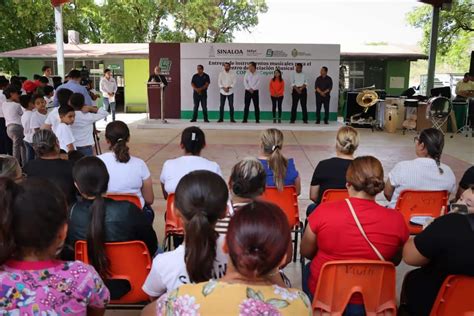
[{"x": 268, "y": 57}]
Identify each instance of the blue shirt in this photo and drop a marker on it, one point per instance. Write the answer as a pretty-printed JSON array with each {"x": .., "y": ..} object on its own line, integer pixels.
[
  {"x": 75, "y": 88},
  {"x": 291, "y": 173}
]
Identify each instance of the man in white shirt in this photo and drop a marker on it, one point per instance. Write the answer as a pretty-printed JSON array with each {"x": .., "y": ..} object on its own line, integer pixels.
[
  {"x": 251, "y": 84},
  {"x": 226, "y": 81},
  {"x": 299, "y": 81},
  {"x": 108, "y": 87}
]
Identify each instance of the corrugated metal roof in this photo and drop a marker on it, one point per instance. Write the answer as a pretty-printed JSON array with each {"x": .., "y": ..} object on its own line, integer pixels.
[{"x": 140, "y": 50}]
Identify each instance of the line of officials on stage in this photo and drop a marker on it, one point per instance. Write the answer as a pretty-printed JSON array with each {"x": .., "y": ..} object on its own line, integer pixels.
[{"x": 227, "y": 79}]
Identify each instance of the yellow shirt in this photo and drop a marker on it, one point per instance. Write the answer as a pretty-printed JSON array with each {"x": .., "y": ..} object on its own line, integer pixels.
[
  {"x": 222, "y": 299},
  {"x": 464, "y": 86}
]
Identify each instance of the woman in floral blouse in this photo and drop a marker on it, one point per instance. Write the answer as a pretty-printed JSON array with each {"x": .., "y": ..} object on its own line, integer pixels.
[{"x": 256, "y": 243}]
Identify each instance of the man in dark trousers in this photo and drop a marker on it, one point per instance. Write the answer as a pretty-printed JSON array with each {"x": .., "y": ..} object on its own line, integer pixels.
[
  {"x": 322, "y": 88},
  {"x": 200, "y": 83},
  {"x": 299, "y": 81},
  {"x": 158, "y": 77}
]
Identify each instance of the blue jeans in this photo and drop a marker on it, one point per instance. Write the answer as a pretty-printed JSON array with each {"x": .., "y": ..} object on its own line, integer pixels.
[
  {"x": 30, "y": 152},
  {"x": 86, "y": 150},
  {"x": 110, "y": 105}
]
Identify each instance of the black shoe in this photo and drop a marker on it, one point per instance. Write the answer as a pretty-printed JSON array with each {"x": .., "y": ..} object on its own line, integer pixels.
[
  {"x": 274, "y": 121},
  {"x": 258, "y": 122},
  {"x": 292, "y": 122},
  {"x": 193, "y": 120},
  {"x": 326, "y": 122},
  {"x": 233, "y": 121},
  {"x": 306, "y": 122},
  {"x": 220, "y": 121},
  {"x": 318, "y": 122},
  {"x": 206, "y": 121},
  {"x": 244, "y": 121}
]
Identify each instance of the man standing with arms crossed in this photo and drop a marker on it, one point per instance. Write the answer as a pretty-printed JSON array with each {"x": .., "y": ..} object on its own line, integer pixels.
[
  {"x": 200, "y": 82},
  {"x": 322, "y": 88},
  {"x": 299, "y": 93},
  {"x": 251, "y": 84},
  {"x": 226, "y": 83}
]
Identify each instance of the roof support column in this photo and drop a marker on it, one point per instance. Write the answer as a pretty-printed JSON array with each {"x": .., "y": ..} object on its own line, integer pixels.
[
  {"x": 58, "y": 19},
  {"x": 433, "y": 48}
]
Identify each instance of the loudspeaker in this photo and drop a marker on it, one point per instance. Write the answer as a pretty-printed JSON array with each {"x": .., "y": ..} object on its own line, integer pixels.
[{"x": 471, "y": 69}]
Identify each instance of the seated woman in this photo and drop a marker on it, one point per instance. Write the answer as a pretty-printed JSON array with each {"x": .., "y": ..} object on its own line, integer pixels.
[
  {"x": 49, "y": 165},
  {"x": 246, "y": 183},
  {"x": 10, "y": 168},
  {"x": 99, "y": 220},
  {"x": 423, "y": 173},
  {"x": 200, "y": 200},
  {"x": 331, "y": 173},
  {"x": 34, "y": 282},
  {"x": 193, "y": 141},
  {"x": 128, "y": 174},
  {"x": 467, "y": 181},
  {"x": 333, "y": 234},
  {"x": 256, "y": 246},
  {"x": 445, "y": 247},
  {"x": 280, "y": 171}
]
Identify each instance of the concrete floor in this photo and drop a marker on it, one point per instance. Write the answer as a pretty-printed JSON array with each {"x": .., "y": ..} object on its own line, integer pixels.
[{"x": 306, "y": 146}]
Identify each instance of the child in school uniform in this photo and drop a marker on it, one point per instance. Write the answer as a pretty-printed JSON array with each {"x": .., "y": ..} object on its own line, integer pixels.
[
  {"x": 63, "y": 129},
  {"x": 49, "y": 97},
  {"x": 28, "y": 106},
  {"x": 53, "y": 120},
  {"x": 12, "y": 111},
  {"x": 38, "y": 117},
  {"x": 83, "y": 127}
]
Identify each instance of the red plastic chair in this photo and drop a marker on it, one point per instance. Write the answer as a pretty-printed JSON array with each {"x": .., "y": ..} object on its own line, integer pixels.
[
  {"x": 287, "y": 200},
  {"x": 334, "y": 195},
  {"x": 455, "y": 297},
  {"x": 129, "y": 261},
  {"x": 421, "y": 203},
  {"x": 132, "y": 198},
  {"x": 339, "y": 280},
  {"x": 173, "y": 224}
]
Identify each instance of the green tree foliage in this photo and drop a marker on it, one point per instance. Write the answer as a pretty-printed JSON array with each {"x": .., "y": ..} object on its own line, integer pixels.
[
  {"x": 456, "y": 32},
  {"x": 27, "y": 23}
]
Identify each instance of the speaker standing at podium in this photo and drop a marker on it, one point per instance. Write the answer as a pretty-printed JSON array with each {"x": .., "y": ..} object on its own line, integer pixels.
[{"x": 158, "y": 77}]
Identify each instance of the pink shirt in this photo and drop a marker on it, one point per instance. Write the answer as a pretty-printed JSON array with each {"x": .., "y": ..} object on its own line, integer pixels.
[{"x": 50, "y": 288}]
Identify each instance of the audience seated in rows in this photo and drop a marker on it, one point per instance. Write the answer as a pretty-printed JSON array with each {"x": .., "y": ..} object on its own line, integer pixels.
[
  {"x": 335, "y": 230},
  {"x": 200, "y": 200},
  {"x": 445, "y": 247},
  {"x": 128, "y": 174},
  {"x": 426, "y": 172},
  {"x": 280, "y": 171},
  {"x": 193, "y": 141},
  {"x": 101, "y": 220},
  {"x": 256, "y": 247},
  {"x": 331, "y": 173},
  {"x": 246, "y": 183},
  {"x": 49, "y": 165},
  {"x": 32, "y": 232}
]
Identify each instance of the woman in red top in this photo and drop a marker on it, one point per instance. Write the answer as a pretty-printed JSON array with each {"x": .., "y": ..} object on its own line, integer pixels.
[
  {"x": 277, "y": 91},
  {"x": 334, "y": 235}
]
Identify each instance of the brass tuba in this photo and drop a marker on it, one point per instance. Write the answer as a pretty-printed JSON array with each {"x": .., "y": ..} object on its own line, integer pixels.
[{"x": 366, "y": 98}]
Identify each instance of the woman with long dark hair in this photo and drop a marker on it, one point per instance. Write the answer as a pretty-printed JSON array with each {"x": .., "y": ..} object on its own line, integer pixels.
[
  {"x": 426, "y": 172},
  {"x": 256, "y": 245},
  {"x": 99, "y": 220},
  {"x": 277, "y": 91},
  {"x": 200, "y": 200}
]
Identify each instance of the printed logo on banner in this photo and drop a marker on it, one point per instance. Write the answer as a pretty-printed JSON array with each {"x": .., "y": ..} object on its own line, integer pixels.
[
  {"x": 252, "y": 53},
  {"x": 165, "y": 65},
  {"x": 276, "y": 53},
  {"x": 296, "y": 53}
]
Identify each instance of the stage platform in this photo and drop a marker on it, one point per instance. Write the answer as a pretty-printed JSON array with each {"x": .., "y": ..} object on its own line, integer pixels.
[{"x": 285, "y": 126}]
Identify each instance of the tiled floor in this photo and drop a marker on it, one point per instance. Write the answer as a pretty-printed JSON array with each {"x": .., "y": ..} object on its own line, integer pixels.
[{"x": 307, "y": 147}]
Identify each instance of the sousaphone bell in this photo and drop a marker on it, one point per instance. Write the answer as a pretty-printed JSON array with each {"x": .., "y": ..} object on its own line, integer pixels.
[{"x": 366, "y": 98}]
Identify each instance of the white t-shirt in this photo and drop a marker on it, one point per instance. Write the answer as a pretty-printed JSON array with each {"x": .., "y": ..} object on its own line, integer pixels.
[
  {"x": 26, "y": 123},
  {"x": 12, "y": 112},
  {"x": 174, "y": 169},
  {"x": 420, "y": 174},
  {"x": 37, "y": 120},
  {"x": 53, "y": 118},
  {"x": 3, "y": 98},
  {"x": 64, "y": 134},
  {"x": 126, "y": 177},
  {"x": 83, "y": 127},
  {"x": 168, "y": 270}
]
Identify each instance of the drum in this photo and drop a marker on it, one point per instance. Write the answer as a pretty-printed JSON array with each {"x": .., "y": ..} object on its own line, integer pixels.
[
  {"x": 391, "y": 118},
  {"x": 438, "y": 108}
]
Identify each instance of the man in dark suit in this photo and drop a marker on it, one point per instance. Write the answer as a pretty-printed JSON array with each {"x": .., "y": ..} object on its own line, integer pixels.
[{"x": 158, "y": 77}]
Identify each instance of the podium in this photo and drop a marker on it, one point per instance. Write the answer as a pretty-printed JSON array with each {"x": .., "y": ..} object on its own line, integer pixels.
[{"x": 156, "y": 101}]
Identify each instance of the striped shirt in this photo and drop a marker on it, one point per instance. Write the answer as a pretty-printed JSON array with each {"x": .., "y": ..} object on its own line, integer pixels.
[{"x": 222, "y": 225}]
